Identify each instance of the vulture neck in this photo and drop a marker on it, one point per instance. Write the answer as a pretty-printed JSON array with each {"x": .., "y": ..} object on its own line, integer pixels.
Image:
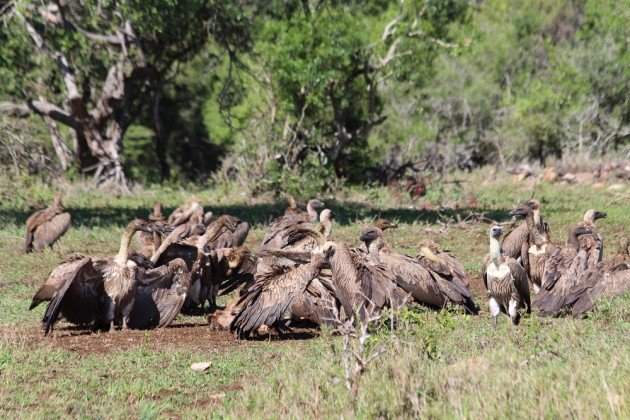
[
  {"x": 573, "y": 239},
  {"x": 123, "y": 253},
  {"x": 532, "y": 227},
  {"x": 210, "y": 234},
  {"x": 327, "y": 224},
  {"x": 312, "y": 213},
  {"x": 373, "y": 250},
  {"x": 537, "y": 219},
  {"x": 495, "y": 251}
]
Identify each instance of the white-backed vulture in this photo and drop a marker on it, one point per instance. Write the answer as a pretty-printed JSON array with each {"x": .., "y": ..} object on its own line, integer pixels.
[
  {"x": 534, "y": 250},
  {"x": 505, "y": 281},
  {"x": 276, "y": 236},
  {"x": 230, "y": 237},
  {"x": 607, "y": 278},
  {"x": 183, "y": 214},
  {"x": 92, "y": 291},
  {"x": 514, "y": 239},
  {"x": 44, "y": 227},
  {"x": 564, "y": 266},
  {"x": 267, "y": 301}
]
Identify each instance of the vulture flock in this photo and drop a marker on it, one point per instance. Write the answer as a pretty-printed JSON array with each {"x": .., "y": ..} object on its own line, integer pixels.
[{"x": 301, "y": 274}]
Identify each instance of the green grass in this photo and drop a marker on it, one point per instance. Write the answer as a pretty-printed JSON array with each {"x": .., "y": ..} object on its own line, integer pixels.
[{"x": 438, "y": 364}]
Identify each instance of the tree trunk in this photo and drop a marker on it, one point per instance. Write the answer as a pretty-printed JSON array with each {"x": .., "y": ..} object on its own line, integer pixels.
[{"x": 160, "y": 139}]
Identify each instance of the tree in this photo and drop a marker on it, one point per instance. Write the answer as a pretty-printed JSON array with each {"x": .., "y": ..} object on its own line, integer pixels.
[{"x": 111, "y": 60}]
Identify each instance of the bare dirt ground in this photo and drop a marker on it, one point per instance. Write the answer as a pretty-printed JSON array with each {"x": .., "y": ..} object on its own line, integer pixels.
[{"x": 188, "y": 336}]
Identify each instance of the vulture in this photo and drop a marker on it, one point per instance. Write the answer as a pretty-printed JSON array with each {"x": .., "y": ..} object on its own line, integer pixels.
[
  {"x": 268, "y": 300},
  {"x": 280, "y": 229},
  {"x": 150, "y": 242},
  {"x": 534, "y": 250},
  {"x": 608, "y": 278},
  {"x": 505, "y": 281},
  {"x": 44, "y": 227},
  {"x": 92, "y": 291},
  {"x": 190, "y": 212},
  {"x": 564, "y": 266},
  {"x": 514, "y": 239},
  {"x": 230, "y": 237},
  {"x": 434, "y": 279}
]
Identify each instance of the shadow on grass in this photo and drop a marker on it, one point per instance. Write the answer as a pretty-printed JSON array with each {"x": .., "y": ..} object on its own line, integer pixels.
[{"x": 347, "y": 213}]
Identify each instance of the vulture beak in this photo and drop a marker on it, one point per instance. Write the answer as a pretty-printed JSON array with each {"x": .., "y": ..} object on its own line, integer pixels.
[
  {"x": 600, "y": 215},
  {"x": 519, "y": 211}
]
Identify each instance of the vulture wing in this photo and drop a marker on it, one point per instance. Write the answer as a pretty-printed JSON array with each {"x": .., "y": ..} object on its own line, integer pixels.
[
  {"x": 269, "y": 299},
  {"x": 514, "y": 239},
  {"x": 229, "y": 239},
  {"x": 160, "y": 296},
  {"x": 57, "y": 278},
  {"x": 79, "y": 297}
]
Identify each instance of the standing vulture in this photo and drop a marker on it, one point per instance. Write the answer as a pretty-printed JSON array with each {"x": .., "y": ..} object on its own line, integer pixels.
[
  {"x": 514, "y": 239},
  {"x": 606, "y": 279},
  {"x": 534, "y": 250},
  {"x": 564, "y": 266},
  {"x": 44, "y": 227},
  {"x": 90, "y": 291},
  {"x": 505, "y": 281}
]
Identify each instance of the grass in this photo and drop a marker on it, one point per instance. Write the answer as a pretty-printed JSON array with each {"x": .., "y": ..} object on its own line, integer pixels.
[{"x": 438, "y": 364}]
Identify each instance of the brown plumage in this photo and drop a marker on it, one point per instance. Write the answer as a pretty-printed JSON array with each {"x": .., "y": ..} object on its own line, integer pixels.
[
  {"x": 44, "y": 227},
  {"x": 150, "y": 242},
  {"x": 230, "y": 237},
  {"x": 534, "y": 249},
  {"x": 92, "y": 291},
  {"x": 281, "y": 228},
  {"x": 565, "y": 266},
  {"x": 449, "y": 274},
  {"x": 176, "y": 237},
  {"x": 160, "y": 295},
  {"x": 608, "y": 278},
  {"x": 268, "y": 300},
  {"x": 514, "y": 239},
  {"x": 189, "y": 212},
  {"x": 384, "y": 224},
  {"x": 431, "y": 280},
  {"x": 505, "y": 281}
]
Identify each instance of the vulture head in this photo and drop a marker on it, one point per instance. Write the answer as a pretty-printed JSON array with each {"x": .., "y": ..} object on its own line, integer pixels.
[
  {"x": 496, "y": 231},
  {"x": 384, "y": 224},
  {"x": 236, "y": 256},
  {"x": 315, "y": 204},
  {"x": 140, "y": 225},
  {"x": 592, "y": 215},
  {"x": 523, "y": 210}
]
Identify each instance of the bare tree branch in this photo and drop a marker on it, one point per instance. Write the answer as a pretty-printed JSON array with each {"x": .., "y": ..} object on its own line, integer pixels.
[{"x": 42, "y": 108}]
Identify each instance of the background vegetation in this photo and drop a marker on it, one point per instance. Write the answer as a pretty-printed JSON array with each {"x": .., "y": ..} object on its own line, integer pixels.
[{"x": 300, "y": 95}]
